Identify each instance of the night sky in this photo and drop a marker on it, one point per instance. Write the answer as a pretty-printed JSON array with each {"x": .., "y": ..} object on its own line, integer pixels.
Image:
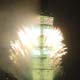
[{"x": 67, "y": 16}]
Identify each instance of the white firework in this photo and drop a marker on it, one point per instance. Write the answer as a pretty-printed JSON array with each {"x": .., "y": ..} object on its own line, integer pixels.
[{"x": 22, "y": 49}]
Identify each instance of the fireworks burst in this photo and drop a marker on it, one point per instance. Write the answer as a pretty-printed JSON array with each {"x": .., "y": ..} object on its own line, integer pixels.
[
  {"x": 36, "y": 40},
  {"x": 28, "y": 44}
]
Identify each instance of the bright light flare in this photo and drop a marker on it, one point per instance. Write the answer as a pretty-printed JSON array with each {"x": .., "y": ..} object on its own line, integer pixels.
[
  {"x": 53, "y": 38},
  {"x": 28, "y": 36},
  {"x": 30, "y": 41}
]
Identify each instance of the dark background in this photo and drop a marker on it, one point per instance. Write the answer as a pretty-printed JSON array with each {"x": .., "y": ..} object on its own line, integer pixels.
[{"x": 67, "y": 17}]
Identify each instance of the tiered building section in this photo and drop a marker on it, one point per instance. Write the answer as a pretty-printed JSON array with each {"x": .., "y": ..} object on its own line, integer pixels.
[{"x": 41, "y": 62}]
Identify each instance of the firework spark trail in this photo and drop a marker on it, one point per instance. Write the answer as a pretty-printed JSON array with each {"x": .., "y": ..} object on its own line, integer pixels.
[
  {"x": 19, "y": 59},
  {"x": 22, "y": 49}
]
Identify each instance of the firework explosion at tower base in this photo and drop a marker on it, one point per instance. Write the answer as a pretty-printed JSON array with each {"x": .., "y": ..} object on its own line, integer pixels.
[{"x": 40, "y": 47}]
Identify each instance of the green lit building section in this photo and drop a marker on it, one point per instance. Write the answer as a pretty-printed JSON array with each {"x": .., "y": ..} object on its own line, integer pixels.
[
  {"x": 41, "y": 64},
  {"x": 40, "y": 72}
]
